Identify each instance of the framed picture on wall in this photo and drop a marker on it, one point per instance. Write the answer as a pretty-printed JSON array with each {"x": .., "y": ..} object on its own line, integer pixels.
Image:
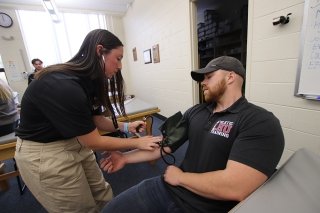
[
  {"x": 134, "y": 52},
  {"x": 155, "y": 53},
  {"x": 147, "y": 56}
]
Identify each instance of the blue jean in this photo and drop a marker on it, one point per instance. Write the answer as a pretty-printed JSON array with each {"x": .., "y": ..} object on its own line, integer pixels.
[{"x": 148, "y": 196}]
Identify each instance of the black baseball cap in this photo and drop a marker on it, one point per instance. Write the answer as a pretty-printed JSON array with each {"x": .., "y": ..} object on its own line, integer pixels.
[{"x": 224, "y": 63}]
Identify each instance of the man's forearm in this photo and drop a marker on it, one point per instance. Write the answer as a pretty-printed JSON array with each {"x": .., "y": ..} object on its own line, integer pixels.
[{"x": 137, "y": 156}]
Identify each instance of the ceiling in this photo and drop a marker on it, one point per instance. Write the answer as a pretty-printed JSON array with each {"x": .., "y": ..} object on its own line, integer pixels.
[{"x": 115, "y": 6}]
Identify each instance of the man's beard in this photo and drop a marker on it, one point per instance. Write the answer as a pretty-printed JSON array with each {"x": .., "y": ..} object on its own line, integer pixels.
[{"x": 216, "y": 92}]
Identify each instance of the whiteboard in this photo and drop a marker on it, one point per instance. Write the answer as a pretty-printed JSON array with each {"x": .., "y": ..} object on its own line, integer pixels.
[{"x": 308, "y": 76}]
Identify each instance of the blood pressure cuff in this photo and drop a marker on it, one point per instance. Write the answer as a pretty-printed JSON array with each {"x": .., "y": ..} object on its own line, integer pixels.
[{"x": 174, "y": 131}]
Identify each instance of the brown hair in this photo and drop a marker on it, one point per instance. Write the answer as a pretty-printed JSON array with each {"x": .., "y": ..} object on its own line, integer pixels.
[
  {"x": 33, "y": 61},
  {"x": 87, "y": 63}
]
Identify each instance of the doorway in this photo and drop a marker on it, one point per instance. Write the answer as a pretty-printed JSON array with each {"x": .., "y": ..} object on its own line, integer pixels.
[{"x": 222, "y": 30}]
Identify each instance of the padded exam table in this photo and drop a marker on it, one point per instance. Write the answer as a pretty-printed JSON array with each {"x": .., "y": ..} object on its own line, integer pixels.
[
  {"x": 294, "y": 188},
  {"x": 137, "y": 109}
]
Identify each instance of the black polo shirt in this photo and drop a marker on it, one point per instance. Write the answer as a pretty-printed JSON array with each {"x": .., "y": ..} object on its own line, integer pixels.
[
  {"x": 56, "y": 107},
  {"x": 244, "y": 132}
]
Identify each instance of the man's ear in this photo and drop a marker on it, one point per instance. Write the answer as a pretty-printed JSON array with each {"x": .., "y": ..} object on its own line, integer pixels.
[
  {"x": 231, "y": 77},
  {"x": 99, "y": 49}
]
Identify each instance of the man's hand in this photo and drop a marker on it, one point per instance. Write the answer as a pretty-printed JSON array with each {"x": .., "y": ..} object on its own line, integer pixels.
[
  {"x": 172, "y": 175},
  {"x": 112, "y": 161}
]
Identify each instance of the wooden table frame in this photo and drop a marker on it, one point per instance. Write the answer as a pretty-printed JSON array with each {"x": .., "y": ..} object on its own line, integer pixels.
[
  {"x": 138, "y": 116},
  {"x": 135, "y": 117}
]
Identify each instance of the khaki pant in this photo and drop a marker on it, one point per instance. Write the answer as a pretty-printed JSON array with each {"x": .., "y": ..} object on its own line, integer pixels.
[{"x": 63, "y": 176}]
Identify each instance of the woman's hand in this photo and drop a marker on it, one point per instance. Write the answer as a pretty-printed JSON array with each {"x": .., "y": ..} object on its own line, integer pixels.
[
  {"x": 148, "y": 143},
  {"x": 137, "y": 125}
]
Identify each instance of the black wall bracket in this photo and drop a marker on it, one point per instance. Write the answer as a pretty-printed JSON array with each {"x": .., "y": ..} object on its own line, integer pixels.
[{"x": 281, "y": 19}]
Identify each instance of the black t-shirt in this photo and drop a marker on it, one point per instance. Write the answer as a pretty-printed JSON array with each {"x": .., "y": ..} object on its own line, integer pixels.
[
  {"x": 56, "y": 107},
  {"x": 244, "y": 133},
  {"x": 31, "y": 77}
]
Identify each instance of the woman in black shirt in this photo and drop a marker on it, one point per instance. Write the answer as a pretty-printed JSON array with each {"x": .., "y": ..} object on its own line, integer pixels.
[{"x": 61, "y": 113}]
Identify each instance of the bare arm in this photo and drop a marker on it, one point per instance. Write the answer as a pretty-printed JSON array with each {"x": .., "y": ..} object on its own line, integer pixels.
[
  {"x": 235, "y": 182},
  {"x": 137, "y": 156},
  {"x": 95, "y": 141},
  {"x": 118, "y": 160},
  {"x": 105, "y": 124}
]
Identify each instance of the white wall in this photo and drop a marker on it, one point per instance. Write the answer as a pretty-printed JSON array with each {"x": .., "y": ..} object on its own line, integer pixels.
[
  {"x": 13, "y": 54},
  {"x": 166, "y": 84},
  {"x": 13, "y": 51},
  {"x": 271, "y": 72}
]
